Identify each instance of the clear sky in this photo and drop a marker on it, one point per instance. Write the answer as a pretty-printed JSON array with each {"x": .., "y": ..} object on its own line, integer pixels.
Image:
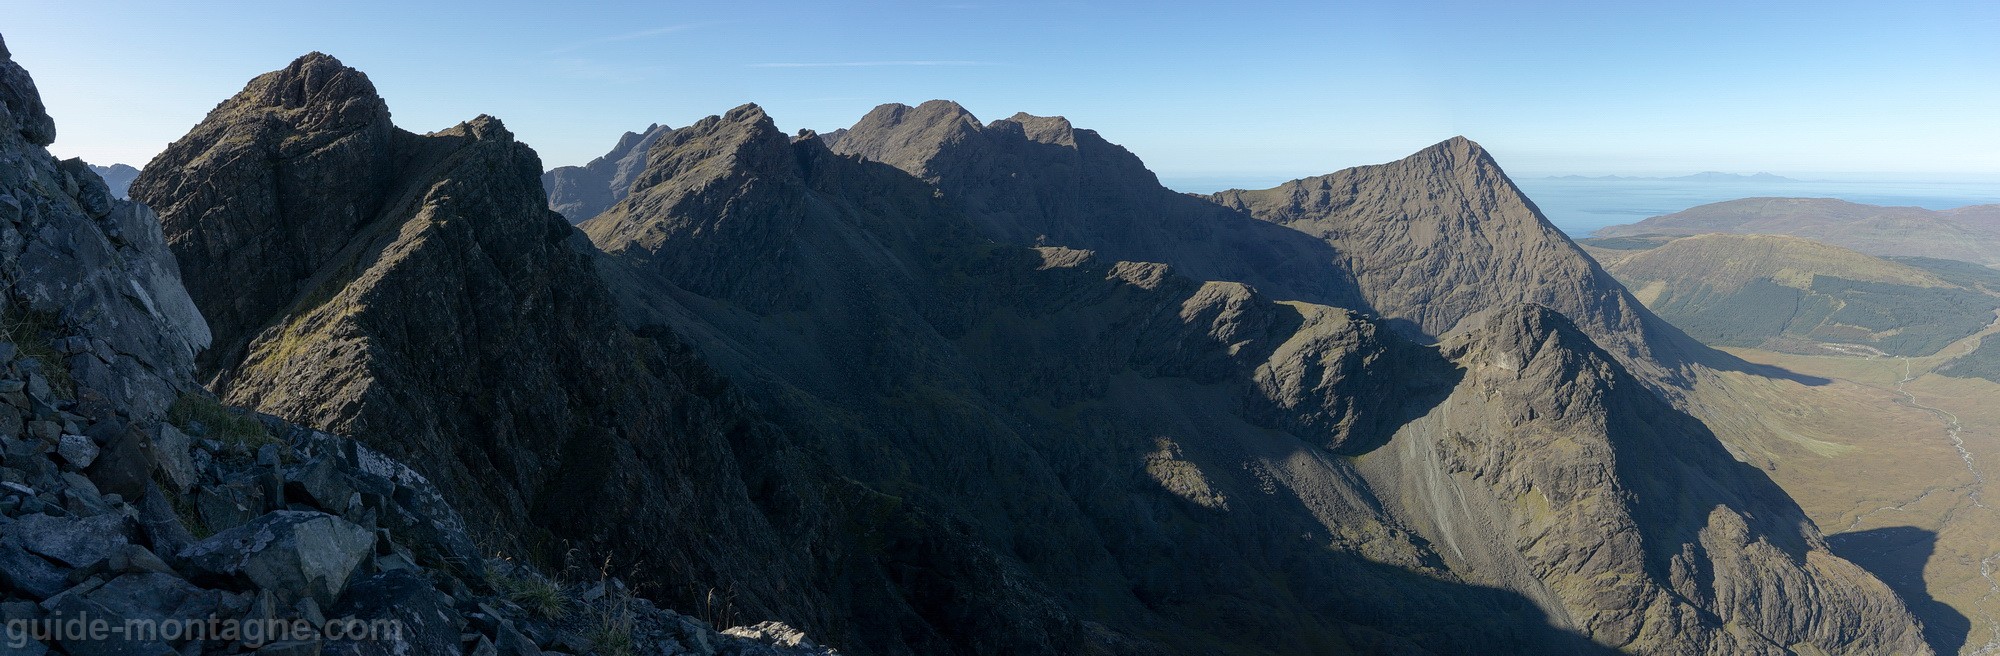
[{"x": 1239, "y": 90}]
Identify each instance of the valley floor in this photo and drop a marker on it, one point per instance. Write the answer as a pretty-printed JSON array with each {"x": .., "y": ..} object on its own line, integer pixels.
[{"x": 1926, "y": 445}]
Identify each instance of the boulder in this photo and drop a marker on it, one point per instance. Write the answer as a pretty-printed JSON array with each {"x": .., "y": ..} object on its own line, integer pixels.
[
  {"x": 77, "y": 450},
  {"x": 429, "y": 623},
  {"x": 107, "y": 644},
  {"x": 293, "y": 553},
  {"x": 170, "y": 456},
  {"x": 229, "y": 505},
  {"x": 72, "y": 542},
  {"x": 160, "y": 525},
  {"x": 126, "y": 464},
  {"x": 290, "y": 648},
  {"x": 776, "y": 634},
  {"x": 321, "y": 483},
  {"x": 157, "y": 598},
  {"x": 27, "y": 574},
  {"x": 510, "y": 642}
]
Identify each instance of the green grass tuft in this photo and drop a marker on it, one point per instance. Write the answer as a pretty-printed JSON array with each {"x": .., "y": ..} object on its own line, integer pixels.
[
  {"x": 538, "y": 595},
  {"x": 34, "y": 333},
  {"x": 222, "y": 423}
]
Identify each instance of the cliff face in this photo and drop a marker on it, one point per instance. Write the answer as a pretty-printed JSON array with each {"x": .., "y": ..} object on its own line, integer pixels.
[
  {"x": 294, "y": 164},
  {"x": 1150, "y": 449},
  {"x": 581, "y": 192}
]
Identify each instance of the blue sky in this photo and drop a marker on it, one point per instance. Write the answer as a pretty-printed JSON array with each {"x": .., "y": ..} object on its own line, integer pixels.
[{"x": 1242, "y": 91}]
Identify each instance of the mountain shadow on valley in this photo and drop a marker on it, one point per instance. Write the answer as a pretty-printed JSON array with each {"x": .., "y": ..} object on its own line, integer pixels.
[{"x": 1897, "y": 554}]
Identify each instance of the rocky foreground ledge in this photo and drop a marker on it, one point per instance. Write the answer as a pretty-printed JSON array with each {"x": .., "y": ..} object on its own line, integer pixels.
[{"x": 223, "y": 532}]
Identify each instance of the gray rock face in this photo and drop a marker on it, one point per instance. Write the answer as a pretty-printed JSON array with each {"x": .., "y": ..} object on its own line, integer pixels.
[
  {"x": 79, "y": 262},
  {"x": 172, "y": 447},
  {"x": 27, "y": 118},
  {"x": 303, "y": 553},
  {"x": 581, "y": 192},
  {"x": 429, "y": 624},
  {"x": 265, "y": 267}
]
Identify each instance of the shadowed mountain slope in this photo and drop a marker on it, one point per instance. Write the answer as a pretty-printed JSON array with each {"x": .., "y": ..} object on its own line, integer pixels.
[
  {"x": 1174, "y": 460},
  {"x": 1424, "y": 242},
  {"x": 1038, "y": 180}
]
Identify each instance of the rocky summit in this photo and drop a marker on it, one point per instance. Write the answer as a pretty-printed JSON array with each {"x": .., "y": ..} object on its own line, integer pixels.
[{"x": 920, "y": 386}]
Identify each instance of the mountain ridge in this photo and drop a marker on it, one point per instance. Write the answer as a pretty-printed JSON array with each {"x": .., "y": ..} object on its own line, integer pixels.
[
  {"x": 1970, "y": 233},
  {"x": 734, "y": 184},
  {"x": 819, "y": 386},
  {"x": 581, "y": 192}
]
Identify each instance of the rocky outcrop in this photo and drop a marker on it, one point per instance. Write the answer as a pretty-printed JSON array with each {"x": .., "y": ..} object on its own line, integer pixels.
[
  {"x": 581, "y": 192},
  {"x": 93, "y": 294},
  {"x": 309, "y": 573},
  {"x": 297, "y": 163}
]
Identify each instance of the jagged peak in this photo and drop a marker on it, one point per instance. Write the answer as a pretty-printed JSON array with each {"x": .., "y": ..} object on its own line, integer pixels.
[
  {"x": 4, "y": 53},
  {"x": 744, "y": 139},
  {"x": 927, "y": 113},
  {"x": 315, "y": 78},
  {"x": 1452, "y": 153},
  {"x": 18, "y": 93},
  {"x": 1056, "y": 122},
  {"x": 483, "y": 127},
  {"x": 747, "y": 113}
]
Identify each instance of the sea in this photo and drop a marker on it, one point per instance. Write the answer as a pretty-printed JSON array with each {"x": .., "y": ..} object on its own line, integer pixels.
[{"x": 1581, "y": 206}]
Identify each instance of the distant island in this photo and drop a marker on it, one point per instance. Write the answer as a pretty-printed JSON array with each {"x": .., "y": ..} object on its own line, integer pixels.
[{"x": 1704, "y": 176}]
